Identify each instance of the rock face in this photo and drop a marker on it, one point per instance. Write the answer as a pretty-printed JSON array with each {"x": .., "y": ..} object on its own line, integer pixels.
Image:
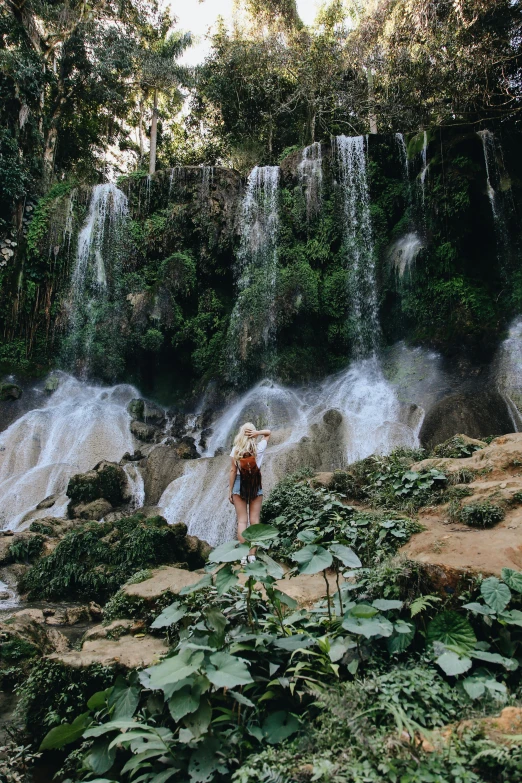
[
  {"x": 107, "y": 482},
  {"x": 163, "y": 465},
  {"x": 129, "y": 652},
  {"x": 477, "y": 415},
  {"x": 497, "y": 479},
  {"x": 28, "y": 631},
  {"x": 163, "y": 580},
  {"x": 10, "y": 391}
]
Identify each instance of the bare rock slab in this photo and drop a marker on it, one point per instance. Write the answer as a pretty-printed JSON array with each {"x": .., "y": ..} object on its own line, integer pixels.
[
  {"x": 165, "y": 579},
  {"x": 129, "y": 652}
]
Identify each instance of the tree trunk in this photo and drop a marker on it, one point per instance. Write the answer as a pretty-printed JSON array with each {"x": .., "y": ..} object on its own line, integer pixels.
[
  {"x": 141, "y": 128},
  {"x": 372, "y": 117},
  {"x": 153, "y": 135},
  {"x": 50, "y": 150}
]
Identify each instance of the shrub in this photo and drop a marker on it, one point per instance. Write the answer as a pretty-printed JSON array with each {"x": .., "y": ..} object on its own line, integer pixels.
[
  {"x": 23, "y": 550},
  {"x": 482, "y": 515},
  {"x": 94, "y": 560},
  {"x": 456, "y": 448}
]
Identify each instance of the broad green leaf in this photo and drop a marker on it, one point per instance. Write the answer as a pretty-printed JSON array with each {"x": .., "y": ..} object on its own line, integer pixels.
[
  {"x": 312, "y": 559},
  {"x": 285, "y": 599},
  {"x": 163, "y": 776},
  {"x": 511, "y": 617},
  {"x": 496, "y": 594},
  {"x": 228, "y": 671},
  {"x": 225, "y": 579},
  {"x": 105, "y": 728},
  {"x": 124, "y": 699},
  {"x": 479, "y": 608},
  {"x": 242, "y": 699},
  {"x": 307, "y": 536},
  {"x": 198, "y": 722},
  {"x": 63, "y": 735},
  {"x": 508, "y": 663},
  {"x": 273, "y": 569},
  {"x": 339, "y": 647},
  {"x": 513, "y": 579},
  {"x": 296, "y": 642},
  {"x": 383, "y": 605},
  {"x": 368, "y": 627},
  {"x": 99, "y": 700},
  {"x": 346, "y": 555},
  {"x": 279, "y": 726},
  {"x": 363, "y": 610},
  {"x": 230, "y": 552},
  {"x": 257, "y": 533},
  {"x": 453, "y": 664},
  {"x": 452, "y": 630},
  {"x": 172, "y": 614},
  {"x": 174, "y": 669},
  {"x": 100, "y": 757},
  {"x": 402, "y": 637},
  {"x": 204, "y": 761},
  {"x": 474, "y": 687},
  {"x": 183, "y": 702}
]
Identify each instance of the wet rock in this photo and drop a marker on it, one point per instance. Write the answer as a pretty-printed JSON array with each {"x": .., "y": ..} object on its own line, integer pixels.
[
  {"x": 28, "y": 625},
  {"x": 95, "y": 510},
  {"x": 153, "y": 414},
  {"x": 205, "y": 435},
  {"x": 76, "y": 614},
  {"x": 47, "y": 502},
  {"x": 112, "y": 630},
  {"x": 10, "y": 391},
  {"x": 135, "y": 409},
  {"x": 107, "y": 480},
  {"x": 478, "y": 415},
  {"x": 95, "y": 610},
  {"x": 333, "y": 418},
  {"x": 128, "y": 457},
  {"x": 145, "y": 432},
  {"x": 197, "y": 549},
  {"x": 4, "y": 595},
  {"x": 163, "y": 465},
  {"x": 51, "y": 384},
  {"x": 179, "y": 425},
  {"x": 186, "y": 448}
]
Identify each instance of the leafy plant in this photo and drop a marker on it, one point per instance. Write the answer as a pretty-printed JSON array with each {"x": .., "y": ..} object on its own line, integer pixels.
[{"x": 483, "y": 515}]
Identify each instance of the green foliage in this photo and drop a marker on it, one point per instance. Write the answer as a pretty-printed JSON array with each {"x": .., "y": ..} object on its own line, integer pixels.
[
  {"x": 456, "y": 447},
  {"x": 483, "y": 515},
  {"x": 23, "y": 550},
  {"x": 94, "y": 560}
]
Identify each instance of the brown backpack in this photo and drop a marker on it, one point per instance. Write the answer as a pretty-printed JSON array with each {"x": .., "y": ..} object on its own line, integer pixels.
[{"x": 249, "y": 478}]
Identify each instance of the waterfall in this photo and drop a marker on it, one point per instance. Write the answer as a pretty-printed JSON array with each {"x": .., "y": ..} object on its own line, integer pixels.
[
  {"x": 425, "y": 165},
  {"x": 77, "y": 427},
  {"x": 368, "y": 417},
  {"x": 508, "y": 371},
  {"x": 404, "y": 251},
  {"x": 358, "y": 238},
  {"x": 488, "y": 145},
  {"x": 403, "y": 153},
  {"x": 310, "y": 172},
  {"x": 252, "y": 323},
  {"x": 89, "y": 303}
]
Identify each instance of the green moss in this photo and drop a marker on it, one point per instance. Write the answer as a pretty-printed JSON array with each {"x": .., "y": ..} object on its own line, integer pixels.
[{"x": 94, "y": 560}]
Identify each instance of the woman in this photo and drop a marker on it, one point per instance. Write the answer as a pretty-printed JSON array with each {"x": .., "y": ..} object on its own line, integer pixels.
[{"x": 245, "y": 490}]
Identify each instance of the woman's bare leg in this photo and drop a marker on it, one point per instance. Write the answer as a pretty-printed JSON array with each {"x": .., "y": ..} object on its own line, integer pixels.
[
  {"x": 242, "y": 517},
  {"x": 255, "y": 509}
]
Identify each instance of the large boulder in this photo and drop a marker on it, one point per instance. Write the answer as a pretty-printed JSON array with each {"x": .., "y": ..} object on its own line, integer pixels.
[
  {"x": 163, "y": 465},
  {"x": 107, "y": 481},
  {"x": 129, "y": 652},
  {"x": 144, "y": 432},
  {"x": 478, "y": 415},
  {"x": 10, "y": 391}
]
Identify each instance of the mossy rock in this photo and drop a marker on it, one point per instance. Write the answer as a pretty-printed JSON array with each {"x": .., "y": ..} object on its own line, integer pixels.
[
  {"x": 10, "y": 391},
  {"x": 107, "y": 480}
]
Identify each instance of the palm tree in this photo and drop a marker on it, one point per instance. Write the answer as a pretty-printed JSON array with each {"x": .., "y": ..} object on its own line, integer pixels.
[{"x": 160, "y": 72}]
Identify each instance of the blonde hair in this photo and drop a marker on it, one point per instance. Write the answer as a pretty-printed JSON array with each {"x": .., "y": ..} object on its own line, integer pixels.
[{"x": 242, "y": 444}]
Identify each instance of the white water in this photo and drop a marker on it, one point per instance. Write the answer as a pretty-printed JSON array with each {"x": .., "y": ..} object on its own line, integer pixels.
[
  {"x": 488, "y": 145},
  {"x": 404, "y": 251},
  {"x": 403, "y": 153},
  {"x": 358, "y": 237},
  {"x": 253, "y": 318},
  {"x": 508, "y": 370},
  {"x": 425, "y": 165},
  {"x": 374, "y": 420},
  {"x": 78, "y": 426},
  {"x": 108, "y": 210},
  {"x": 310, "y": 172}
]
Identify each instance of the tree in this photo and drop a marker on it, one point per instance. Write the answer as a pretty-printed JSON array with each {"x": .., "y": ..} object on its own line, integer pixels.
[{"x": 160, "y": 73}]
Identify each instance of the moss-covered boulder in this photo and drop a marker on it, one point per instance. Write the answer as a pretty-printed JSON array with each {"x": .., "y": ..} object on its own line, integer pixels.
[
  {"x": 10, "y": 391},
  {"x": 93, "y": 560},
  {"x": 107, "y": 480}
]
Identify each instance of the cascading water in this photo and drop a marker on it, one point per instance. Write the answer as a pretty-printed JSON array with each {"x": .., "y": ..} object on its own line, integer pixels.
[
  {"x": 425, "y": 166},
  {"x": 404, "y": 251},
  {"x": 252, "y": 324},
  {"x": 403, "y": 153},
  {"x": 508, "y": 371},
  {"x": 358, "y": 238},
  {"x": 77, "y": 427},
  {"x": 360, "y": 404},
  {"x": 310, "y": 172},
  {"x": 90, "y": 303},
  {"x": 488, "y": 145}
]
